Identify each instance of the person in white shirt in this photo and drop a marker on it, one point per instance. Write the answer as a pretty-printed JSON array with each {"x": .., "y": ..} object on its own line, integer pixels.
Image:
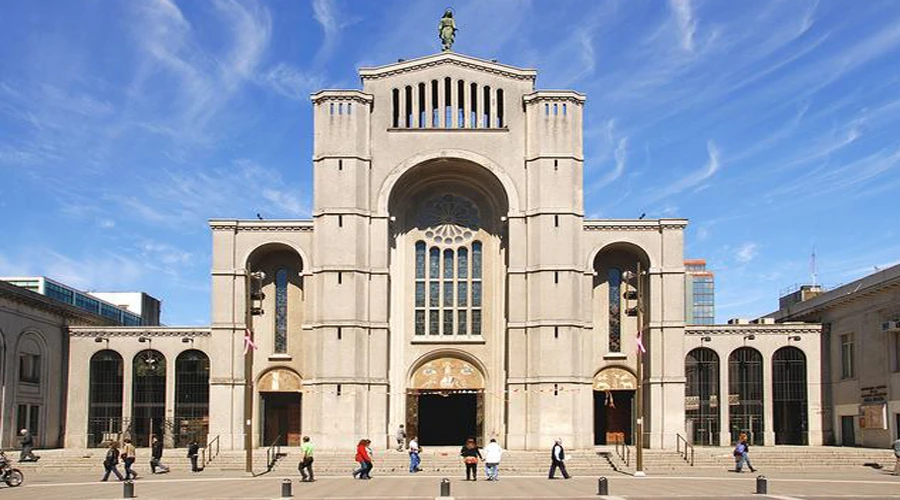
[
  {"x": 414, "y": 459},
  {"x": 557, "y": 460},
  {"x": 492, "y": 454}
]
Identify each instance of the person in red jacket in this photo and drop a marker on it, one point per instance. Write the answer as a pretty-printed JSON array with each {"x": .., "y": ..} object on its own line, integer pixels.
[{"x": 364, "y": 459}]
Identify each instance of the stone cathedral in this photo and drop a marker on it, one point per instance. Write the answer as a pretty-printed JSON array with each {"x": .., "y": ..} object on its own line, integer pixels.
[{"x": 447, "y": 281}]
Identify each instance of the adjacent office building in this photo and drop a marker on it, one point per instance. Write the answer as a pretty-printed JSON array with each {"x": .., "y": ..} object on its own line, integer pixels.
[{"x": 699, "y": 293}]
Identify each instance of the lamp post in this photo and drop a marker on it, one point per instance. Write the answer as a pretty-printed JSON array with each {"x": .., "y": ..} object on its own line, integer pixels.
[
  {"x": 638, "y": 312},
  {"x": 254, "y": 296}
]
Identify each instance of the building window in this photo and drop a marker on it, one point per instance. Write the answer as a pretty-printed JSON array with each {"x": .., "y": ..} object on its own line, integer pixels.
[
  {"x": 615, "y": 309},
  {"x": 30, "y": 368},
  {"x": 191, "y": 397},
  {"x": 28, "y": 417},
  {"x": 448, "y": 269},
  {"x": 281, "y": 310},
  {"x": 847, "y": 352},
  {"x": 105, "y": 398}
]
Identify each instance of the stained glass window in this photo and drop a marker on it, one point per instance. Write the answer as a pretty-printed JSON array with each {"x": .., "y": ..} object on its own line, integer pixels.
[
  {"x": 433, "y": 318},
  {"x": 615, "y": 309},
  {"x": 476, "y": 260},
  {"x": 463, "y": 263},
  {"x": 461, "y": 327},
  {"x": 420, "y": 322},
  {"x": 434, "y": 293},
  {"x": 448, "y": 294},
  {"x": 420, "y": 294},
  {"x": 476, "y": 321},
  {"x": 448, "y": 263},
  {"x": 462, "y": 294},
  {"x": 281, "y": 305},
  {"x": 476, "y": 294},
  {"x": 434, "y": 266},
  {"x": 448, "y": 322},
  {"x": 420, "y": 260}
]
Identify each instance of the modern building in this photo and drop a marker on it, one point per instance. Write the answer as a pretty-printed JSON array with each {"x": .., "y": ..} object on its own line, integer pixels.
[
  {"x": 448, "y": 280},
  {"x": 699, "y": 293},
  {"x": 34, "y": 346},
  {"x": 860, "y": 345},
  {"x": 129, "y": 309}
]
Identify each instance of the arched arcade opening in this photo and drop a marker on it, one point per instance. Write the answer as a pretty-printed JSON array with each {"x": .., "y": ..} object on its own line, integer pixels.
[{"x": 445, "y": 402}]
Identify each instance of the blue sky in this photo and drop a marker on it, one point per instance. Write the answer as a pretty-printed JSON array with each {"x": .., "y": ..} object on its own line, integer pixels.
[{"x": 774, "y": 126}]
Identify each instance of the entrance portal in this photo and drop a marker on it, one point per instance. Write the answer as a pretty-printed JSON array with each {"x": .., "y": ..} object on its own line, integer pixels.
[
  {"x": 281, "y": 418},
  {"x": 445, "y": 403},
  {"x": 614, "y": 390}
]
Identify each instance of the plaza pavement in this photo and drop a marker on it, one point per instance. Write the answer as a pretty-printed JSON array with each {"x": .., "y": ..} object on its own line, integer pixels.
[{"x": 860, "y": 483}]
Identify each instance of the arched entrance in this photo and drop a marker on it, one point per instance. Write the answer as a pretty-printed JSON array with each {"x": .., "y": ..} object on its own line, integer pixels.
[
  {"x": 105, "y": 398},
  {"x": 191, "y": 397},
  {"x": 148, "y": 405},
  {"x": 445, "y": 402},
  {"x": 614, "y": 390},
  {"x": 745, "y": 394},
  {"x": 789, "y": 404},
  {"x": 701, "y": 396},
  {"x": 281, "y": 395}
]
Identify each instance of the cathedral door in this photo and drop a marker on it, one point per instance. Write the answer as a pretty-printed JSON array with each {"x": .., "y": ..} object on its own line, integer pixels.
[{"x": 281, "y": 418}]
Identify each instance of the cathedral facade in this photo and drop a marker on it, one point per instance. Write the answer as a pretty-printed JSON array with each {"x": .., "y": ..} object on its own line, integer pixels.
[{"x": 448, "y": 281}]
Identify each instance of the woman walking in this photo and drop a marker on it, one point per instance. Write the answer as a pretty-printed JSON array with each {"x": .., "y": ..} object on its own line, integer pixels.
[
  {"x": 741, "y": 454},
  {"x": 471, "y": 456},
  {"x": 111, "y": 461},
  {"x": 128, "y": 459},
  {"x": 364, "y": 459}
]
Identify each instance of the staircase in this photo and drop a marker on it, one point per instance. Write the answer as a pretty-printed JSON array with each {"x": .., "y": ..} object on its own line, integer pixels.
[{"x": 767, "y": 458}]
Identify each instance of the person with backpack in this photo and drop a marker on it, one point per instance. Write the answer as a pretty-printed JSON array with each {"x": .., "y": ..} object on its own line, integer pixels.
[
  {"x": 111, "y": 461},
  {"x": 193, "y": 453},
  {"x": 156, "y": 451},
  {"x": 306, "y": 460}
]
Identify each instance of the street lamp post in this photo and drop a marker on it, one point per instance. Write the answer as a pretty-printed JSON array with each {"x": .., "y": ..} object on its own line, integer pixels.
[
  {"x": 638, "y": 313},
  {"x": 254, "y": 297}
]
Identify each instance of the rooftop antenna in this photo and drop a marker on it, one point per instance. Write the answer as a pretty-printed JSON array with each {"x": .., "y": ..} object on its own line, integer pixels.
[{"x": 813, "y": 267}]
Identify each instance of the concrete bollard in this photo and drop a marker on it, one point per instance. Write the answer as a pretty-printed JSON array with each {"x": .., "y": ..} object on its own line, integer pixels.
[
  {"x": 128, "y": 489},
  {"x": 445, "y": 487},
  {"x": 762, "y": 485},
  {"x": 286, "y": 488},
  {"x": 602, "y": 486}
]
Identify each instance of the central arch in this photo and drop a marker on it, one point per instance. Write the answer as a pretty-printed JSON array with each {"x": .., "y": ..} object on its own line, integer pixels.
[
  {"x": 614, "y": 390},
  {"x": 445, "y": 401},
  {"x": 281, "y": 406}
]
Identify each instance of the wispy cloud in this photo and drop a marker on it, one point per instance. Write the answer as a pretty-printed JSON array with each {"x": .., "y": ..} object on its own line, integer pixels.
[
  {"x": 684, "y": 16},
  {"x": 746, "y": 252},
  {"x": 696, "y": 177},
  {"x": 291, "y": 82}
]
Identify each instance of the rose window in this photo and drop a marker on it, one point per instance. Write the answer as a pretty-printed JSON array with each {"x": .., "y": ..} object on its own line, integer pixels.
[{"x": 448, "y": 219}]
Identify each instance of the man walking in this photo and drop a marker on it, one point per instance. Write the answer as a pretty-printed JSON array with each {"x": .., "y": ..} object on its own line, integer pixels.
[
  {"x": 492, "y": 454},
  {"x": 414, "y": 458},
  {"x": 156, "y": 451},
  {"x": 306, "y": 460},
  {"x": 897, "y": 457},
  {"x": 401, "y": 437},
  {"x": 557, "y": 459},
  {"x": 193, "y": 453},
  {"x": 27, "y": 441}
]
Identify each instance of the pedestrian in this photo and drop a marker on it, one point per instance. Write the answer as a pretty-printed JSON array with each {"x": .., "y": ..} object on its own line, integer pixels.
[
  {"x": 27, "y": 441},
  {"x": 111, "y": 461},
  {"x": 193, "y": 453},
  {"x": 897, "y": 457},
  {"x": 492, "y": 454},
  {"x": 363, "y": 459},
  {"x": 471, "y": 456},
  {"x": 156, "y": 451},
  {"x": 128, "y": 458},
  {"x": 558, "y": 459},
  {"x": 371, "y": 463},
  {"x": 306, "y": 460},
  {"x": 741, "y": 453},
  {"x": 414, "y": 458},
  {"x": 401, "y": 437}
]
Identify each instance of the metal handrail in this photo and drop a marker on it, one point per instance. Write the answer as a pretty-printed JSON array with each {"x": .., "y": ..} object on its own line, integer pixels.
[
  {"x": 623, "y": 451},
  {"x": 213, "y": 447},
  {"x": 684, "y": 449},
  {"x": 273, "y": 452}
]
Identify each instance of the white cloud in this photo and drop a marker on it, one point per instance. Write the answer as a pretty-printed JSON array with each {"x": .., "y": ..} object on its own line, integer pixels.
[
  {"x": 687, "y": 24},
  {"x": 290, "y": 82},
  {"x": 746, "y": 252},
  {"x": 694, "y": 178}
]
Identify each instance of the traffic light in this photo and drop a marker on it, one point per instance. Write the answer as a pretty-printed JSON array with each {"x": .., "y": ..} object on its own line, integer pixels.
[
  {"x": 256, "y": 293},
  {"x": 632, "y": 304}
]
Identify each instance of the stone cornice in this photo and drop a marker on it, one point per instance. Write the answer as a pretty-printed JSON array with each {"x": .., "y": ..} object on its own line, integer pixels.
[
  {"x": 260, "y": 225},
  {"x": 754, "y": 329},
  {"x": 554, "y": 96},
  {"x": 137, "y": 331},
  {"x": 451, "y": 58},
  {"x": 634, "y": 224},
  {"x": 341, "y": 95}
]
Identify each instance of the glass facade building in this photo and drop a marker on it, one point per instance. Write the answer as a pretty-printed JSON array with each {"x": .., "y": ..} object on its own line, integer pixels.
[
  {"x": 68, "y": 295},
  {"x": 700, "y": 291}
]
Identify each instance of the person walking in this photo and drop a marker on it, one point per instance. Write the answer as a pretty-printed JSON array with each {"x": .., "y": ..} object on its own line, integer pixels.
[
  {"x": 741, "y": 454},
  {"x": 414, "y": 458},
  {"x": 897, "y": 457},
  {"x": 558, "y": 460},
  {"x": 364, "y": 460},
  {"x": 400, "y": 437},
  {"x": 193, "y": 453},
  {"x": 156, "y": 451},
  {"x": 27, "y": 442},
  {"x": 111, "y": 461},
  {"x": 306, "y": 460},
  {"x": 492, "y": 454},
  {"x": 471, "y": 455},
  {"x": 128, "y": 458}
]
